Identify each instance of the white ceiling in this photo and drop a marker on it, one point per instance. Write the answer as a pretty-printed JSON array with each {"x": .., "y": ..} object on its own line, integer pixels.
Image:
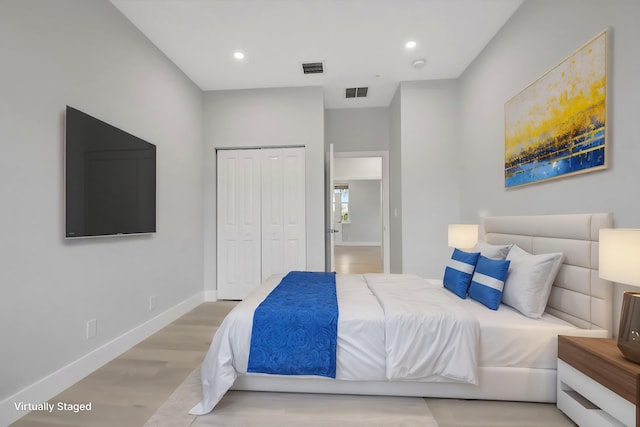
[{"x": 360, "y": 41}]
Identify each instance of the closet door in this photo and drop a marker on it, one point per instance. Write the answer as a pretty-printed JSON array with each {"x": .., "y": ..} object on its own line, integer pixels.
[
  {"x": 260, "y": 217},
  {"x": 283, "y": 211},
  {"x": 238, "y": 217}
]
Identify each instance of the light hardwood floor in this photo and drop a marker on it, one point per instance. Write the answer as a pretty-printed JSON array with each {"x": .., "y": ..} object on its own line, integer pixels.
[
  {"x": 129, "y": 389},
  {"x": 358, "y": 259}
]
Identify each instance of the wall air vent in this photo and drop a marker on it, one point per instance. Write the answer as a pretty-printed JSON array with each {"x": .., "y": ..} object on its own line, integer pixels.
[
  {"x": 356, "y": 92},
  {"x": 313, "y": 67}
]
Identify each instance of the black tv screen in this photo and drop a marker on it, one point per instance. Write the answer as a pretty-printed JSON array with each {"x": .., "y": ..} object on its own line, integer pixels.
[{"x": 110, "y": 179}]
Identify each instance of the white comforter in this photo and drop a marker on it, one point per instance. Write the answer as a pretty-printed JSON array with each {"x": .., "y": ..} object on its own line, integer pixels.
[
  {"x": 429, "y": 335},
  {"x": 390, "y": 327}
]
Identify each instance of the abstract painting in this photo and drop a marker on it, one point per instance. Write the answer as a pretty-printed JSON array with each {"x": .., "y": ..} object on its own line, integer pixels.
[{"x": 556, "y": 126}]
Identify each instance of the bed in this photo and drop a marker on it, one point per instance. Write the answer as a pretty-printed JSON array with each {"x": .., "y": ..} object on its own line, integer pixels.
[{"x": 513, "y": 357}]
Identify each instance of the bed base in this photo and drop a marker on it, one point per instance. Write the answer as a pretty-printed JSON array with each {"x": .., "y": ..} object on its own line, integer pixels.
[{"x": 495, "y": 383}]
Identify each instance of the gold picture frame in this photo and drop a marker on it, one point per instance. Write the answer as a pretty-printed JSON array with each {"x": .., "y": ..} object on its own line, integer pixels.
[{"x": 556, "y": 127}]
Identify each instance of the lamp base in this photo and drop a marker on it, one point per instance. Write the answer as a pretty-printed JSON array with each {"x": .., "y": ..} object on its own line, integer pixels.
[{"x": 629, "y": 332}]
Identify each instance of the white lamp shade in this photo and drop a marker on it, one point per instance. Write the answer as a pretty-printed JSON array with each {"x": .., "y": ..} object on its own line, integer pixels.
[
  {"x": 620, "y": 255},
  {"x": 463, "y": 236}
]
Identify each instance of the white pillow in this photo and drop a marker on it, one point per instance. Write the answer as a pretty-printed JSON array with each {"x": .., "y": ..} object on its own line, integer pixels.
[
  {"x": 529, "y": 281},
  {"x": 492, "y": 251}
]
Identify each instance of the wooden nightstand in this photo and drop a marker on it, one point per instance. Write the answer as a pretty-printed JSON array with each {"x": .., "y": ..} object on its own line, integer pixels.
[{"x": 597, "y": 386}]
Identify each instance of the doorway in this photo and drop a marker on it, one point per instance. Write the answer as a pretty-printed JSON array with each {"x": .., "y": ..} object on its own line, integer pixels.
[{"x": 360, "y": 212}]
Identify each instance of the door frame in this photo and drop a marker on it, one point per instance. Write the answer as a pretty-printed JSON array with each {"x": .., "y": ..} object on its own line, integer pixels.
[{"x": 384, "y": 214}]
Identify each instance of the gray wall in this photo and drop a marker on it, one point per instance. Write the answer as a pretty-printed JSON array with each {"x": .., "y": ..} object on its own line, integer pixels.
[
  {"x": 357, "y": 129},
  {"x": 365, "y": 203},
  {"x": 538, "y": 36},
  {"x": 87, "y": 55},
  {"x": 259, "y": 118},
  {"x": 429, "y": 174},
  {"x": 395, "y": 183}
]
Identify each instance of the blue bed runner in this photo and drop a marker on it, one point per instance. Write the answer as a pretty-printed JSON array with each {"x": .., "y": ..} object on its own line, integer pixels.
[{"x": 295, "y": 328}]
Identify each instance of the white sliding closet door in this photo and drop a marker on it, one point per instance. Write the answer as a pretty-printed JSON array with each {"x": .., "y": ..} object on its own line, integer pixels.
[{"x": 261, "y": 217}]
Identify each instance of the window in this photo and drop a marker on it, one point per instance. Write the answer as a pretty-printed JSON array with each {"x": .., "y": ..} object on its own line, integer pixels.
[{"x": 342, "y": 190}]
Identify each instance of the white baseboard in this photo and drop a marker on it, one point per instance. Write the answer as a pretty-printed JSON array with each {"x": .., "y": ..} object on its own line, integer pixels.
[
  {"x": 210, "y": 296},
  {"x": 359, "y": 244},
  {"x": 51, "y": 385}
]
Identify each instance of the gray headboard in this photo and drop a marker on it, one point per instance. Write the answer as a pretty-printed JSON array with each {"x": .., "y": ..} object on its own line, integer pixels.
[{"x": 578, "y": 295}]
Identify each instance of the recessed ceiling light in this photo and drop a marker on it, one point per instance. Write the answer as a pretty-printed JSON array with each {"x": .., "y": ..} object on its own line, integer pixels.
[
  {"x": 238, "y": 55},
  {"x": 410, "y": 44}
]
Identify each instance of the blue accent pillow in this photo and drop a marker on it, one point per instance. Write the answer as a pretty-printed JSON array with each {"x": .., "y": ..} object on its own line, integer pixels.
[
  {"x": 488, "y": 281},
  {"x": 459, "y": 270}
]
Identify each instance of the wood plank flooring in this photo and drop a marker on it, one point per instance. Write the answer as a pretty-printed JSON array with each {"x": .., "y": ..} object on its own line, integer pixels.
[
  {"x": 358, "y": 259},
  {"x": 130, "y": 388}
]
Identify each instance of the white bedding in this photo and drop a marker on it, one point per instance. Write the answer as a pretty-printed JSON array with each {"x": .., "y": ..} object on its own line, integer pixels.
[
  {"x": 509, "y": 339},
  {"x": 364, "y": 351},
  {"x": 372, "y": 349},
  {"x": 429, "y": 335}
]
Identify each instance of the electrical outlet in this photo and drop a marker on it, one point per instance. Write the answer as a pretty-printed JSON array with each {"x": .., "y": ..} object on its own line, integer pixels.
[
  {"x": 153, "y": 302},
  {"x": 92, "y": 328}
]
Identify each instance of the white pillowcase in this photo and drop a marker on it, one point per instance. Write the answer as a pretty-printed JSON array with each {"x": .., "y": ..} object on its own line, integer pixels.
[
  {"x": 492, "y": 251},
  {"x": 529, "y": 281}
]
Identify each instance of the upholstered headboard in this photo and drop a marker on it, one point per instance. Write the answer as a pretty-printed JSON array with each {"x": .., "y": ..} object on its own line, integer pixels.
[{"x": 578, "y": 295}]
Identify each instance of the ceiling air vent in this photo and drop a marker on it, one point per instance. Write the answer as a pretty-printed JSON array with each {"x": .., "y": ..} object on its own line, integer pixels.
[
  {"x": 356, "y": 92},
  {"x": 312, "y": 67}
]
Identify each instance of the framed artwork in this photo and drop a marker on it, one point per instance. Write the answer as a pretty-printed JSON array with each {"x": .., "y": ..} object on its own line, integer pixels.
[{"x": 556, "y": 126}]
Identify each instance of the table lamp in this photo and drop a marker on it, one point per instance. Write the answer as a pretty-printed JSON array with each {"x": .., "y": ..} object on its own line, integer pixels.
[
  {"x": 620, "y": 262},
  {"x": 463, "y": 236}
]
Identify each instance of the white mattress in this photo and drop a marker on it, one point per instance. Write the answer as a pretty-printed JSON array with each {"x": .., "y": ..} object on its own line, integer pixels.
[{"x": 509, "y": 339}]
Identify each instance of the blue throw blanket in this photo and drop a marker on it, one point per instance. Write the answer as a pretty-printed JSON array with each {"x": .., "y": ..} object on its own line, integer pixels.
[{"x": 295, "y": 328}]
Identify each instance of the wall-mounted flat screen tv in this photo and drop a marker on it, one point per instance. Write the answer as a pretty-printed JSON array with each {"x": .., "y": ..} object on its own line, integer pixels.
[{"x": 110, "y": 179}]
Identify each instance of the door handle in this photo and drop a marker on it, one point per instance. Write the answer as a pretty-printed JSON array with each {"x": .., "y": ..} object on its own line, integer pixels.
[{"x": 333, "y": 230}]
